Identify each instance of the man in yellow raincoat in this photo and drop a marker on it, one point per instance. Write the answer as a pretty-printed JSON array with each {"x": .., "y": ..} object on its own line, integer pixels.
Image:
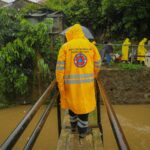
[
  {"x": 142, "y": 50},
  {"x": 78, "y": 64},
  {"x": 125, "y": 50}
]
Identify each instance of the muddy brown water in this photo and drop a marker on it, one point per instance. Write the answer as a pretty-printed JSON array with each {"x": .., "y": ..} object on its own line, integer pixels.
[{"x": 134, "y": 119}]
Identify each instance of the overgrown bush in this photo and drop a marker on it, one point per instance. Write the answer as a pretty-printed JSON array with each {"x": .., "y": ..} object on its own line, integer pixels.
[
  {"x": 20, "y": 57},
  {"x": 14, "y": 59},
  {"x": 9, "y": 25}
]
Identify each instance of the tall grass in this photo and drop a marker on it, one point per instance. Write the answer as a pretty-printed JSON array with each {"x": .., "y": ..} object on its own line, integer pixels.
[{"x": 130, "y": 66}]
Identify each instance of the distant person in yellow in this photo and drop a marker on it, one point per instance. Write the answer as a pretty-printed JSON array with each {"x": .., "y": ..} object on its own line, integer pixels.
[
  {"x": 125, "y": 50},
  {"x": 78, "y": 64},
  {"x": 142, "y": 50}
]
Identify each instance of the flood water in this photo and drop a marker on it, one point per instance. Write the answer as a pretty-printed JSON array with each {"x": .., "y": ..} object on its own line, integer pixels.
[
  {"x": 10, "y": 117},
  {"x": 134, "y": 119}
]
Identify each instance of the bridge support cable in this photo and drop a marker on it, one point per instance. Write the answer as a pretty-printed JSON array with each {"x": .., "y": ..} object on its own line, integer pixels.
[
  {"x": 14, "y": 136},
  {"x": 40, "y": 124},
  {"x": 116, "y": 127}
]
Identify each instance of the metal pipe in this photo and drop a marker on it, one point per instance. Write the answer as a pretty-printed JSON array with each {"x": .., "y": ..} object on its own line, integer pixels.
[
  {"x": 99, "y": 110},
  {"x": 117, "y": 130},
  {"x": 146, "y": 45},
  {"x": 141, "y": 56},
  {"x": 40, "y": 125},
  {"x": 14, "y": 136},
  {"x": 59, "y": 115}
]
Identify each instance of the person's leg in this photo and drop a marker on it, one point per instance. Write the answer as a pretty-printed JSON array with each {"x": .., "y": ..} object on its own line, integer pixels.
[
  {"x": 83, "y": 125},
  {"x": 73, "y": 120},
  {"x": 108, "y": 58}
]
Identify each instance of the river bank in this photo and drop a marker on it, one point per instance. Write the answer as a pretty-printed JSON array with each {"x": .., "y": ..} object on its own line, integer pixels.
[
  {"x": 126, "y": 86},
  {"x": 123, "y": 86}
]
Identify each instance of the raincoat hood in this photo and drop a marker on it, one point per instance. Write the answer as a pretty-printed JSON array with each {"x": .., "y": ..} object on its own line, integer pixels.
[
  {"x": 127, "y": 40},
  {"x": 74, "y": 32},
  {"x": 142, "y": 50},
  {"x": 144, "y": 40},
  {"x": 94, "y": 42}
]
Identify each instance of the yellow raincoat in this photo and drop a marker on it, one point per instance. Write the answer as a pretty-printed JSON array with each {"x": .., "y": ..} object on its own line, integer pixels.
[
  {"x": 77, "y": 64},
  {"x": 142, "y": 50},
  {"x": 125, "y": 49}
]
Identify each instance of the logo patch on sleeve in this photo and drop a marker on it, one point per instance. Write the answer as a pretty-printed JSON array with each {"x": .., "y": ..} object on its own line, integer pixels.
[{"x": 80, "y": 60}]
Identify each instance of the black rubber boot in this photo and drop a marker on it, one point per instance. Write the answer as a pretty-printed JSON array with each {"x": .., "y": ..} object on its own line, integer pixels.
[
  {"x": 74, "y": 130},
  {"x": 88, "y": 131}
]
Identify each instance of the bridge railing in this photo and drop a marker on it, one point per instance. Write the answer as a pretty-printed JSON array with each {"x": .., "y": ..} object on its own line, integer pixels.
[
  {"x": 116, "y": 127},
  {"x": 18, "y": 131}
]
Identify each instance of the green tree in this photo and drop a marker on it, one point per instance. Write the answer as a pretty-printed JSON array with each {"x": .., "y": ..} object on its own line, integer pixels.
[
  {"x": 114, "y": 19},
  {"x": 13, "y": 67},
  {"x": 19, "y": 58},
  {"x": 76, "y": 11},
  {"x": 126, "y": 18},
  {"x": 9, "y": 25}
]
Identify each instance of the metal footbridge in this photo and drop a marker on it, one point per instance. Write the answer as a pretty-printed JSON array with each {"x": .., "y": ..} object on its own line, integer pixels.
[{"x": 68, "y": 140}]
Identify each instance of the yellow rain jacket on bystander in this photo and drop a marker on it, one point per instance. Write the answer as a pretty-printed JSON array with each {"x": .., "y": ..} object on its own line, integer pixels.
[
  {"x": 78, "y": 64},
  {"x": 142, "y": 50},
  {"x": 125, "y": 50}
]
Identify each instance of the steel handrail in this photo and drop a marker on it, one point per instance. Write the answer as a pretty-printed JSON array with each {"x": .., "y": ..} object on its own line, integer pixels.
[
  {"x": 132, "y": 45},
  {"x": 14, "y": 136},
  {"x": 40, "y": 124},
  {"x": 59, "y": 122},
  {"x": 98, "y": 105},
  {"x": 116, "y": 127}
]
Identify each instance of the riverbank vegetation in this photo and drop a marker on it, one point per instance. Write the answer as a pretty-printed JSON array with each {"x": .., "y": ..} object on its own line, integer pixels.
[{"x": 24, "y": 55}]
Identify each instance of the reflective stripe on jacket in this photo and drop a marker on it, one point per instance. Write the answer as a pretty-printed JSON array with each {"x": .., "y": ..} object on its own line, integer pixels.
[{"x": 78, "y": 64}]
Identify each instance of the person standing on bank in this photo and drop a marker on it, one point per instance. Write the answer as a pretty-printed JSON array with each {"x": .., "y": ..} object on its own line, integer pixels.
[
  {"x": 108, "y": 49},
  {"x": 78, "y": 64},
  {"x": 125, "y": 50},
  {"x": 141, "y": 51}
]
